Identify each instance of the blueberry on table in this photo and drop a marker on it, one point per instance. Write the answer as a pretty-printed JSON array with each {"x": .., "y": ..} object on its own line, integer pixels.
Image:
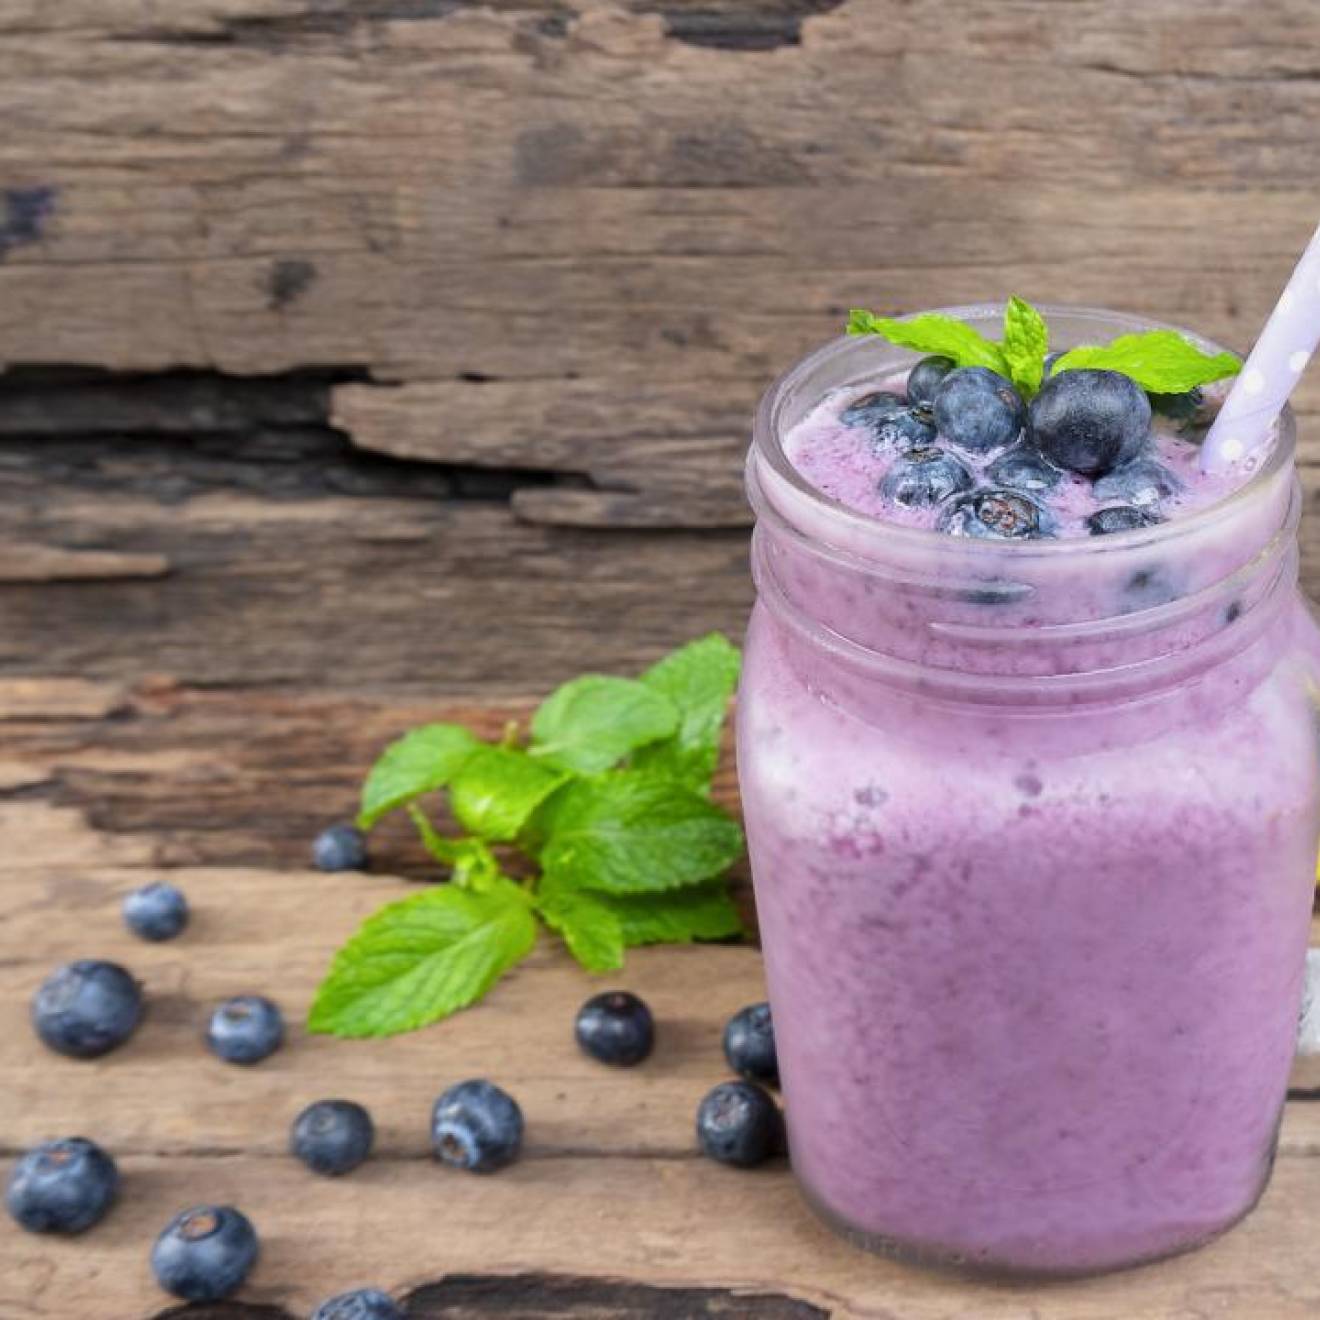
[
  {"x": 340, "y": 848},
  {"x": 923, "y": 477},
  {"x": 62, "y": 1186},
  {"x": 361, "y": 1304},
  {"x": 871, "y": 409},
  {"x": 205, "y": 1253},
  {"x": 1121, "y": 518},
  {"x": 979, "y": 410},
  {"x": 749, "y": 1044},
  {"x": 332, "y": 1136},
  {"x": 245, "y": 1029},
  {"x": 997, "y": 515},
  {"x": 476, "y": 1126},
  {"x": 739, "y": 1124},
  {"x": 156, "y": 911},
  {"x": 87, "y": 1008},
  {"x": 1090, "y": 420},
  {"x": 926, "y": 377},
  {"x": 1141, "y": 482},
  {"x": 1023, "y": 468},
  {"x": 616, "y": 1028}
]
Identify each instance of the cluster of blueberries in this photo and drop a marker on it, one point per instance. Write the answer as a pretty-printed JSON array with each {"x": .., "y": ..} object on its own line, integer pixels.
[
  {"x": 87, "y": 1008},
  {"x": 1090, "y": 422}
]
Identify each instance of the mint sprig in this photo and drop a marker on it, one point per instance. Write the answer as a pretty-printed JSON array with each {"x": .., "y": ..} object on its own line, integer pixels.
[
  {"x": 605, "y": 805},
  {"x": 1161, "y": 361}
]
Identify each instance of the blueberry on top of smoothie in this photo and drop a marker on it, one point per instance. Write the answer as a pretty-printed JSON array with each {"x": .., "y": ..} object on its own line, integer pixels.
[
  {"x": 1188, "y": 408},
  {"x": 1090, "y": 420},
  {"x": 1141, "y": 482},
  {"x": 999, "y": 515},
  {"x": 923, "y": 477},
  {"x": 1121, "y": 518},
  {"x": 871, "y": 409},
  {"x": 927, "y": 376},
  {"x": 906, "y": 429},
  {"x": 979, "y": 410},
  {"x": 1024, "y": 468}
]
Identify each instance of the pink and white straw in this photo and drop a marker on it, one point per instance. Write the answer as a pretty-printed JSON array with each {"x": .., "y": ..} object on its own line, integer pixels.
[{"x": 1271, "y": 371}]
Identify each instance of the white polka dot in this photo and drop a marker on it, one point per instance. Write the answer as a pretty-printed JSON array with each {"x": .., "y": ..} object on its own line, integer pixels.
[
  {"x": 1253, "y": 381},
  {"x": 1286, "y": 300},
  {"x": 1233, "y": 448},
  {"x": 1299, "y": 360}
]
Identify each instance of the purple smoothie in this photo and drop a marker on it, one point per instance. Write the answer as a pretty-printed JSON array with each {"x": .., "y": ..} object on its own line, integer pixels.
[{"x": 1033, "y": 829}]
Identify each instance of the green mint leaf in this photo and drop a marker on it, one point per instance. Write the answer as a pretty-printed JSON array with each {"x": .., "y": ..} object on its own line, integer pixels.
[
  {"x": 933, "y": 333},
  {"x": 1026, "y": 341},
  {"x": 471, "y": 862},
  {"x": 594, "y": 721},
  {"x": 1162, "y": 361},
  {"x": 700, "y": 912},
  {"x": 699, "y": 679},
  {"x": 592, "y": 932},
  {"x": 498, "y": 789},
  {"x": 630, "y": 832},
  {"x": 421, "y": 959},
  {"x": 419, "y": 762}
]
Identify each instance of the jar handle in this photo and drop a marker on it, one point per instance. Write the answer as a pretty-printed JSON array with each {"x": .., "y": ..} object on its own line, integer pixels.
[{"x": 1308, "y": 1030}]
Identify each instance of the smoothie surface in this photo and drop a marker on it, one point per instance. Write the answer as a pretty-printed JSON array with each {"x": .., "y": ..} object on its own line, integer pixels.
[{"x": 849, "y": 457}]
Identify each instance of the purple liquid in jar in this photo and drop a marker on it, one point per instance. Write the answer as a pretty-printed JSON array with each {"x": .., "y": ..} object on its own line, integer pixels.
[{"x": 1033, "y": 829}]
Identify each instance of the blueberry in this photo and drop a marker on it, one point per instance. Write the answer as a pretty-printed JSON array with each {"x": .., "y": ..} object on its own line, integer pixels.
[
  {"x": 872, "y": 409},
  {"x": 749, "y": 1044},
  {"x": 979, "y": 410},
  {"x": 62, "y": 1186},
  {"x": 926, "y": 377},
  {"x": 332, "y": 1136},
  {"x": 1188, "y": 410},
  {"x": 997, "y": 515},
  {"x": 245, "y": 1029},
  {"x": 340, "y": 848},
  {"x": 1023, "y": 468},
  {"x": 156, "y": 911},
  {"x": 1049, "y": 361},
  {"x": 904, "y": 430},
  {"x": 87, "y": 1008},
  {"x": 362, "y": 1304},
  {"x": 924, "y": 476},
  {"x": 476, "y": 1126},
  {"x": 205, "y": 1253},
  {"x": 1121, "y": 518},
  {"x": 738, "y": 1123},
  {"x": 1090, "y": 420},
  {"x": 1141, "y": 482},
  {"x": 615, "y": 1027}
]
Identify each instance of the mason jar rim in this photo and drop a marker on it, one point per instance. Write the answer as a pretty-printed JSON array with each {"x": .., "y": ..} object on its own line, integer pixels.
[{"x": 864, "y": 532}]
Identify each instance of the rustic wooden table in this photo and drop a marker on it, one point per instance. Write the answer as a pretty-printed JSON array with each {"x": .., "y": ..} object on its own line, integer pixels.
[{"x": 371, "y": 361}]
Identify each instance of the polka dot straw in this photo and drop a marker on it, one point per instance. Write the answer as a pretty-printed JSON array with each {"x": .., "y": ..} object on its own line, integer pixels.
[{"x": 1271, "y": 371}]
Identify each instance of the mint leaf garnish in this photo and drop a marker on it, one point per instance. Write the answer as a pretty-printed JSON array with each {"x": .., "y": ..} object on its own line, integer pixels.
[
  {"x": 933, "y": 333},
  {"x": 420, "y": 959},
  {"x": 700, "y": 912},
  {"x": 498, "y": 789},
  {"x": 631, "y": 832},
  {"x": 1161, "y": 361},
  {"x": 419, "y": 762},
  {"x": 1026, "y": 341},
  {"x": 471, "y": 862},
  {"x": 606, "y": 804},
  {"x": 594, "y": 721},
  {"x": 698, "y": 679},
  {"x": 592, "y": 932}
]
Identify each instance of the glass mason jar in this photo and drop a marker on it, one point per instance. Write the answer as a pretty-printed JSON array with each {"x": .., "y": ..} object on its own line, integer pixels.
[{"x": 1033, "y": 828}]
